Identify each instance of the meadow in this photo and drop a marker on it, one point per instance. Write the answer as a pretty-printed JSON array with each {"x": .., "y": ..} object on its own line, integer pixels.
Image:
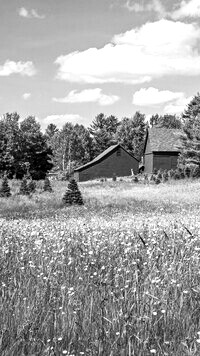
[{"x": 118, "y": 276}]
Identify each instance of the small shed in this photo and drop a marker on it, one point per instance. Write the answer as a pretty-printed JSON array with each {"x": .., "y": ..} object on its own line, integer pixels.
[
  {"x": 115, "y": 160},
  {"x": 162, "y": 148}
]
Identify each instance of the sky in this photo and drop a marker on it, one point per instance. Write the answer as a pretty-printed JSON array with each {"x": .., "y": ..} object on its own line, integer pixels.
[{"x": 69, "y": 60}]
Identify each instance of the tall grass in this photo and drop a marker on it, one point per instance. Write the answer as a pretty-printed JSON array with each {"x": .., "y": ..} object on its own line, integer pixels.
[{"x": 119, "y": 276}]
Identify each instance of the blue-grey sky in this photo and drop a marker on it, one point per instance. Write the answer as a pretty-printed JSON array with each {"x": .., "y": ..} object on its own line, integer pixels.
[{"x": 69, "y": 60}]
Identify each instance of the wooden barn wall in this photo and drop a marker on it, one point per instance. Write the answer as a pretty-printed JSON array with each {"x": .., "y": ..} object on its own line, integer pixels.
[
  {"x": 165, "y": 161},
  {"x": 148, "y": 163},
  {"x": 114, "y": 164}
]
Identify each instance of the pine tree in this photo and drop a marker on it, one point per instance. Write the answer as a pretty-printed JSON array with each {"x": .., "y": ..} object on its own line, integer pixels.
[
  {"x": 67, "y": 199},
  {"x": 31, "y": 186},
  {"x": 74, "y": 193},
  {"x": 5, "y": 189},
  {"x": 47, "y": 185},
  {"x": 24, "y": 190},
  {"x": 190, "y": 140}
]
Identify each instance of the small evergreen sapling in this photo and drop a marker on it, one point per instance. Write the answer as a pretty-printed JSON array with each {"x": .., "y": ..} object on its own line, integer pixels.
[
  {"x": 73, "y": 194},
  {"x": 67, "y": 199},
  {"x": 24, "y": 189},
  {"x": 5, "y": 189},
  {"x": 47, "y": 185},
  {"x": 31, "y": 186},
  {"x": 187, "y": 172}
]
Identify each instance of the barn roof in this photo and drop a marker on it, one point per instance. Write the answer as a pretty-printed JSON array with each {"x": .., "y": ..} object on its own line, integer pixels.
[
  {"x": 103, "y": 155},
  {"x": 163, "y": 139}
]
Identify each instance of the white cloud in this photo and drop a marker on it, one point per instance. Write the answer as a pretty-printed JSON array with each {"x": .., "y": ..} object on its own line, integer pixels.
[
  {"x": 26, "y": 96},
  {"x": 187, "y": 9},
  {"x": 152, "y": 96},
  {"x": 60, "y": 120},
  {"x": 157, "y": 49},
  {"x": 23, "y": 68},
  {"x": 23, "y": 12},
  {"x": 153, "y": 5},
  {"x": 178, "y": 106},
  {"x": 88, "y": 96}
]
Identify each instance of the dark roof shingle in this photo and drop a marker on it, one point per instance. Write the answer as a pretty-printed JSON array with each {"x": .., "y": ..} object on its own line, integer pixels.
[{"x": 164, "y": 140}]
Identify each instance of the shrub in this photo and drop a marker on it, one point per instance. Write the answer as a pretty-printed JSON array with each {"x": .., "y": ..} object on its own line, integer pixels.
[
  {"x": 158, "y": 180},
  {"x": 159, "y": 175},
  {"x": 114, "y": 177},
  {"x": 171, "y": 173},
  {"x": 47, "y": 185},
  {"x": 153, "y": 178},
  {"x": 176, "y": 175},
  {"x": 24, "y": 189},
  {"x": 187, "y": 172},
  {"x": 165, "y": 176},
  {"x": 135, "y": 179},
  {"x": 196, "y": 172},
  {"x": 5, "y": 189},
  {"x": 31, "y": 186}
]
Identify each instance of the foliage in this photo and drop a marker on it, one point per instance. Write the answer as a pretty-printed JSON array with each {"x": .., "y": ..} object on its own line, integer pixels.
[
  {"x": 190, "y": 140},
  {"x": 167, "y": 120},
  {"x": 24, "y": 188},
  {"x": 31, "y": 186},
  {"x": 47, "y": 185},
  {"x": 5, "y": 189},
  {"x": 71, "y": 146},
  {"x": 67, "y": 198},
  {"x": 131, "y": 134},
  {"x": 103, "y": 131},
  {"x": 73, "y": 194},
  {"x": 21, "y": 144}
]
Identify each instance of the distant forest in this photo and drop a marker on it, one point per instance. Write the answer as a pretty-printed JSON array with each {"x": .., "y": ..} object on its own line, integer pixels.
[{"x": 24, "y": 148}]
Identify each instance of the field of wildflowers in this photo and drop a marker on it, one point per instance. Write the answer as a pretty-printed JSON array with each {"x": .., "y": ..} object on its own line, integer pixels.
[{"x": 118, "y": 276}]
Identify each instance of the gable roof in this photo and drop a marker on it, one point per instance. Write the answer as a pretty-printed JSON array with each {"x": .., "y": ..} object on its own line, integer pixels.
[
  {"x": 102, "y": 156},
  {"x": 163, "y": 139}
]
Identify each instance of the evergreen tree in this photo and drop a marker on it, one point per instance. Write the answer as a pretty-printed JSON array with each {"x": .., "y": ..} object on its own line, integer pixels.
[
  {"x": 75, "y": 194},
  {"x": 190, "y": 140},
  {"x": 67, "y": 199},
  {"x": 169, "y": 121},
  {"x": 131, "y": 134},
  {"x": 103, "y": 131},
  {"x": 24, "y": 189},
  {"x": 5, "y": 189},
  {"x": 47, "y": 185},
  {"x": 31, "y": 186}
]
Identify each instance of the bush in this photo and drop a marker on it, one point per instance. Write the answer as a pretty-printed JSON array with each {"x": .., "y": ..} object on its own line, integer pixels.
[
  {"x": 153, "y": 178},
  {"x": 196, "y": 172},
  {"x": 47, "y": 185},
  {"x": 187, "y": 172},
  {"x": 31, "y": 186},
  {"x": 135, "y": 179},
  {"x": 5, "y": 189},
  {"x": 114, "y": 177},
  {"x": 159, "y": 175},
  {"x": 165, "y": 176},
  {"x": 24, "y": 189},
  {"x": 158, "y": 180}
]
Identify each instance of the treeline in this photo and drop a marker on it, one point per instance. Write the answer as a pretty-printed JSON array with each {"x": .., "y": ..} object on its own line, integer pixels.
[{"x": 25, "y": 149}]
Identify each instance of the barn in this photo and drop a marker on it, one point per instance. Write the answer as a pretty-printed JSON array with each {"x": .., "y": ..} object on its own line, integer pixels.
[
  {"x": 115, "y": 160},
  {"x": 161, "y": 149}
]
